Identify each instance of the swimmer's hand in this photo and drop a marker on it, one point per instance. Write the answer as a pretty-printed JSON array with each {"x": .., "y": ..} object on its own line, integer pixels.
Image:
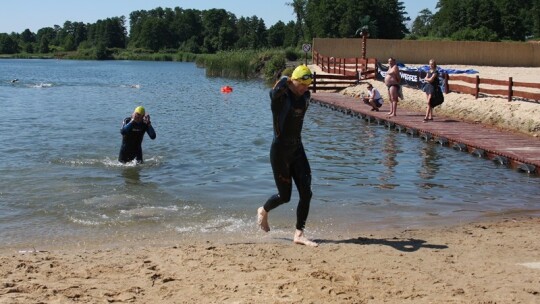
[
  {"x": 281, "y": 83},
  {"x": 146, "y": 119},
  {"x": 280, "y": 87}
]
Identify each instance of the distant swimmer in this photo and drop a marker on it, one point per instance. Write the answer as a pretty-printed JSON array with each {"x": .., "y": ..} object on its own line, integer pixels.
[
  {"x": 133, "y": 129},
  {"x": 14, "y": 80}
]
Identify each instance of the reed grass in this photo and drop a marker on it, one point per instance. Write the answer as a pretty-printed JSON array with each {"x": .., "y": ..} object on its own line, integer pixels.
[{"x": 240, "y": 64}]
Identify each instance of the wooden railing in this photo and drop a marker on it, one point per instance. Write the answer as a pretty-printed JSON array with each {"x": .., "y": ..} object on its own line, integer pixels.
[
  {"x": 364, "y": 68},
  {"x": 367, "y": 69},
  {"x": 332, "y": 82},
  {"x": 501, "y": 87}
]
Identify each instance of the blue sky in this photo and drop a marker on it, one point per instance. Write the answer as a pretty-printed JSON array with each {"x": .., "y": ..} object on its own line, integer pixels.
[{"x": 35, "y": 14}]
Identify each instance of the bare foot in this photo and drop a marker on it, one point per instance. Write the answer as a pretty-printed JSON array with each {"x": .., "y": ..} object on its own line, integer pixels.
[
  {"x": 300, "y": 238},
  {"x": 262, "y": 219}
]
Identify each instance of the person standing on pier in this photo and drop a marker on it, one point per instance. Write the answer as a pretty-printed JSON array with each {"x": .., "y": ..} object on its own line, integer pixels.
[
  {"x": 290, "y": 99},
  {"x": 392, "y": 81},
  {"x": 431, "y": 88}
]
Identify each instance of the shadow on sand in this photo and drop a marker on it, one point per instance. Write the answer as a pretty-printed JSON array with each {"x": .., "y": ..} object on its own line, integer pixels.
[{"x": 406, "y": 245}]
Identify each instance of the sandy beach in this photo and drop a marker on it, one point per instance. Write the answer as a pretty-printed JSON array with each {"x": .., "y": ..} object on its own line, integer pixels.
[
  {"x": 490, "y": 262},
  {"x": 493, "y": 261}
]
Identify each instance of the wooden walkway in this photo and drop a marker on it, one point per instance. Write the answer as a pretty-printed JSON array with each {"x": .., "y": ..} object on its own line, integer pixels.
[{"x": 517, "y": 151}]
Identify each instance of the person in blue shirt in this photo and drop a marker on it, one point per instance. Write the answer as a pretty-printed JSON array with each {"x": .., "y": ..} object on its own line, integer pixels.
[
  {"x": 290, "y": 99},
  {"x": 133, "y": 130}
]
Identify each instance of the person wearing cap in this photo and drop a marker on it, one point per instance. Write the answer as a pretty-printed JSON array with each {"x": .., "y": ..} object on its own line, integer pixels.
[
  {"x": 133, "y": 130},
  {"x": 290, "y": 99},
  {"x": 374, "y": 98}
]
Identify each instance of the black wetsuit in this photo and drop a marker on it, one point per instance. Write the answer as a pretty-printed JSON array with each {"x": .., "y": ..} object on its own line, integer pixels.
[
  {"x": 287, "y": 155},
  {"x": 132, "y": 137}
]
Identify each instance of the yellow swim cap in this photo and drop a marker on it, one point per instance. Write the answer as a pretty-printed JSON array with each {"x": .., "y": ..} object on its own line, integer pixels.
[
  {"x": 302, "y": 74},
  {"x": 139, "y": 110}
]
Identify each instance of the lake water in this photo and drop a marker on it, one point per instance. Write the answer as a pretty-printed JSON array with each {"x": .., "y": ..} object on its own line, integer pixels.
[{"x": 208, "y": 169}]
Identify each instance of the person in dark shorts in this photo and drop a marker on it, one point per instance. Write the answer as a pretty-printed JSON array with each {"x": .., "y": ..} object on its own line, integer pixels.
[
  {"x": 133, "y": 130},
  {"x": 290, "y": 99},
  {"x": 392, "y": 81}
]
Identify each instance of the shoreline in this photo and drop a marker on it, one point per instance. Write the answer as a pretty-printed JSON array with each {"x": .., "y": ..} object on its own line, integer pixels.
[
  {"x": 495, "y": 260},
  {"x": 281, "y": 232}
]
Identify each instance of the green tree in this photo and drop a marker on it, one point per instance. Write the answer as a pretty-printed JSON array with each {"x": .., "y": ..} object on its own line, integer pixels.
[
  {"x": 8, "y": 45},
  {"x": 44, "y": 45},
  {"x": 186, "y": 28},
  {"x": 291, "y": 39},
  {"x": 251, "y": 33},
  {"x": 535, "y": 15},
  {"x": 422, "y": 23},
  {"x": 485, "y": 19},
  {"x": 342, "y": 18},
  {"x": 276, "y": 35},
  {"x": 391, "y": 19},
  {"x": 217, "y": 26},
  {"x": 71, "y": 35},
  {"x": 44, "y": 36},
  {"x": 301, "y": 28},
  {"x": 111, "y": 32},
  {"x": 479, "y": 34},
  {"x": 155, "y": 34},
  {"x": 27, "y": 36}
]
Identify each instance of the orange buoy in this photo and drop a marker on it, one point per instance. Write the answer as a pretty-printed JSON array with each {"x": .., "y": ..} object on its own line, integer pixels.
[{"x": 226, "y": 89}]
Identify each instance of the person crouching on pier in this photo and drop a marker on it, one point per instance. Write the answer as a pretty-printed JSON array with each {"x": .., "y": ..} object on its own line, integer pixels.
[{"x": 374, "y": 98}]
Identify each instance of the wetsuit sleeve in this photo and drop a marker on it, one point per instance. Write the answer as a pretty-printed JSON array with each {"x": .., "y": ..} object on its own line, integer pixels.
[
  {"x": 279, "y": 88},
  {"x": 307, "y": 96},
  {"x": 127, "y": 126},
  {"x": 151, "y": 132}
]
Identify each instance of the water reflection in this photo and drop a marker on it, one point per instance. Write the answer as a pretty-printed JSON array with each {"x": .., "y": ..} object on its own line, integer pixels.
[
  {"x": 430, "y": 165},
  {"x": 132, "y": 175},
  {"x": 390, "y": 152}
]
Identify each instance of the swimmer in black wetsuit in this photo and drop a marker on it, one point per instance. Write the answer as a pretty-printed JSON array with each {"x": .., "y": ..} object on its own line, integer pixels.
[
  {"x": 133, "y": 129},
  {"x": 289, "y": 101}
]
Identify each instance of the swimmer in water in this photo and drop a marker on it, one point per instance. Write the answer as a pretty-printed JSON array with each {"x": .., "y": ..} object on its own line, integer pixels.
[{"x": 133, "y": 130}]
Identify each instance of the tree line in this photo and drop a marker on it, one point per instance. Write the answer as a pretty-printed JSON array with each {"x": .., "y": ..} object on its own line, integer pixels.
[
  {"x": 215, "y": 30},
  {"x": 480, "y": 20}
]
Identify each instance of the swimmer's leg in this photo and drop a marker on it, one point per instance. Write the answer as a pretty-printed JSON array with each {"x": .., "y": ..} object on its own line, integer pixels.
[{"x": 262, "y": 219}]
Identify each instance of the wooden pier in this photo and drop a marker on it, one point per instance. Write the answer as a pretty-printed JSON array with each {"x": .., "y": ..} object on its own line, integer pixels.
[{"x": 517, "y": 151}]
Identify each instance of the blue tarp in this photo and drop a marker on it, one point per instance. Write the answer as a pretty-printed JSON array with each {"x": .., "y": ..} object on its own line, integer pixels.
[{"x": 425, "y": 68}]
